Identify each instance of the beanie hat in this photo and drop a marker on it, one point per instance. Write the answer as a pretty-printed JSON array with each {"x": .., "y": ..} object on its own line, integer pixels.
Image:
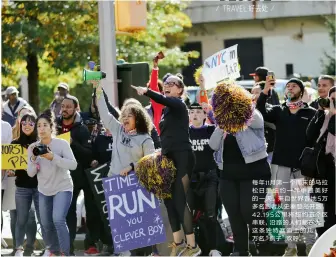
[
  {"x": 332, "y": 90},
  {"x": 297, "y": 82},
  {"x": 196, "y": 106}
]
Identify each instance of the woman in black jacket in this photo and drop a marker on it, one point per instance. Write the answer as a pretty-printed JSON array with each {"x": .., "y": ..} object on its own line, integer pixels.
[
  {"x": 321, "y": 134},
  {"x": 176, "y": 145}
]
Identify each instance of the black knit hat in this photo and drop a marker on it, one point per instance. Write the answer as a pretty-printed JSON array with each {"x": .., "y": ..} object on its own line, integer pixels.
[
  {"x": 196, "y": 106},
  {"x": 332, "y": 90},
  {"x": 297, "y": 82}
]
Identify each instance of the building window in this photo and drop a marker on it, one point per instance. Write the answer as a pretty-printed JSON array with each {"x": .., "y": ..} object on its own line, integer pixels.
[{"x": 188, "y": 72}]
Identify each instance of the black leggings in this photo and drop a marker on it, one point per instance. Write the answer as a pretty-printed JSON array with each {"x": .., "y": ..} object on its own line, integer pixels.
[
  {"x": 177, "y": 208},
  {"x": 237, "y": 198},
  {"x": 203, "y": 196}
]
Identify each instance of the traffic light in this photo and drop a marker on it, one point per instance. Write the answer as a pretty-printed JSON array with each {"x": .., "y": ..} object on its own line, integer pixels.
[
  {"x": 130, "y": 16},
  {"x": 128, "y": 74}
]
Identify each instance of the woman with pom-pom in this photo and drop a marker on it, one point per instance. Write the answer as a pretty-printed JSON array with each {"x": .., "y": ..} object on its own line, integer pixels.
[
  {"x": 241, "y": 157},
  {"x": 131, "y": 138},
  {"x": 175, "y": 142}
]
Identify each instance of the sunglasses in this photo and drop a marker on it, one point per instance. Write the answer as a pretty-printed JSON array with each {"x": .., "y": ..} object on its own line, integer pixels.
[{"x": 30, "y": 123}]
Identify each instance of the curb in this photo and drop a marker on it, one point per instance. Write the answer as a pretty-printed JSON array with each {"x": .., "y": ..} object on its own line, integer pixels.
[{"x": 39, "y": 244}]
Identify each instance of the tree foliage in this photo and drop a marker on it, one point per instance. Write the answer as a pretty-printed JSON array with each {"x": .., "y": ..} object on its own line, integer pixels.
[
  {"x": 329, "y": 62},
  {"x": 64, "y": 36}
]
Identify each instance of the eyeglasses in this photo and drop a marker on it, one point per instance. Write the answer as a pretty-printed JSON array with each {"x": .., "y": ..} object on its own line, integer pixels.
[
  {"x": 30, "y": 123},
  {"x": 170, "y": 84}
]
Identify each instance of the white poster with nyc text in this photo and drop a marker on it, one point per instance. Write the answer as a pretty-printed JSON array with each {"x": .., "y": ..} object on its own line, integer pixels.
[{"x": 220, "y": 66}]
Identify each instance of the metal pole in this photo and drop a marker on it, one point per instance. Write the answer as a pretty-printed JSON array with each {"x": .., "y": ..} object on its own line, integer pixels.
[{"x": 107, "y": 47}]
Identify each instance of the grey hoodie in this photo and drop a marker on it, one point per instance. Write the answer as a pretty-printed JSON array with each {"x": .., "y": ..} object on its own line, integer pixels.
[
  {"x": 53, "y": 176},
  {"x": 127, "y": 148}
]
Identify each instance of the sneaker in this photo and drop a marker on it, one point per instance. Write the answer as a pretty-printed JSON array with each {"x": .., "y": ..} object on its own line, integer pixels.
[
  {"x": 19, "y": 252},
  {"x": 290, "y": 252},
  {"x": 92, "y": 251},
  {"x": 28, "y": 252},
  {"x": 191, "y": 251},
  {"x": 106, "y": 250},
  {"x": 215, "y": 253},
  {"x": 308, "y": 248},
  {"x": 47, "y": 253},
  {"x": 177, "y": 249}
]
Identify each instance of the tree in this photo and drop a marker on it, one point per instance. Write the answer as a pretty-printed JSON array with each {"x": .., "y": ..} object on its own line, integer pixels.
[
  {"x": 329, "y": 63},
  {"x": 65, "y": 35}
]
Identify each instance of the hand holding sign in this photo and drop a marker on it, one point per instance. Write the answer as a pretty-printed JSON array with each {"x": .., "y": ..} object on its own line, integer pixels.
[
  {"x": 125, "y": 171},
  {"x": 220, "y": 66},
  {"x": 10, "y": 173}
]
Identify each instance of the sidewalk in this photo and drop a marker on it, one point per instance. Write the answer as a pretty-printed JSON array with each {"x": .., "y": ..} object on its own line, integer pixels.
[{"x": 7, "y": 235}]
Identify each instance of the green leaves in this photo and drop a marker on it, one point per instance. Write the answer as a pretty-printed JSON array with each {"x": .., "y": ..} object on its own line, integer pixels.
[{"x": 65, "y": 36}]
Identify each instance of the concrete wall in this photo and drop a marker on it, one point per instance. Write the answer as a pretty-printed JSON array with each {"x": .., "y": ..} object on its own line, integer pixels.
[
  {"x": 216, "y": 11},
  {"x": 282, "y": 43}
]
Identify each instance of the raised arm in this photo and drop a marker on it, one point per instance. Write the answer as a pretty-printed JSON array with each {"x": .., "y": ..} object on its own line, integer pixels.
[
  {"x": 110, "y": 122},
  {"x": 67, "y": 161},
  {"x": 216, "y": 139},
  {"x": 271, "y": 113},
  {"x": 257, "y": 120},
  {"x": 153, "y": 85},
  {"x": 172, "y": 102}
]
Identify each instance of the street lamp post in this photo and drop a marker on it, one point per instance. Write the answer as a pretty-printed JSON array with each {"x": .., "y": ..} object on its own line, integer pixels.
[{"x": 107, "y": 47}]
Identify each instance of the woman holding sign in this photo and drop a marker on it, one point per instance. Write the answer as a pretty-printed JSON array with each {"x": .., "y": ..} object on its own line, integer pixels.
[
  {"x": 26, "y": 187},
  {"x": 52, "y": 159},
  {"x": 175, "y": 142},
  {"x": 131, "y": 136}
]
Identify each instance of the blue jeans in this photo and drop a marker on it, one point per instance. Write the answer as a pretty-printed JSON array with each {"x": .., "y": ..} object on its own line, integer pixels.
[
  {"x": 30, "y": 229},
  {"x": 23, "y": 199},
  {"x": 53, "y": 211}
]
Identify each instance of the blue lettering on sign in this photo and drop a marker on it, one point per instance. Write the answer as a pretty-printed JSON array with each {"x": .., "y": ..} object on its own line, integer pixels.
[{"x": 218, "y": 59}]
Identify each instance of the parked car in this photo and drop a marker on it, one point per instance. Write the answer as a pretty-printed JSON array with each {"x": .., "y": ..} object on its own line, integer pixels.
[{"x": 279, "y": 88}]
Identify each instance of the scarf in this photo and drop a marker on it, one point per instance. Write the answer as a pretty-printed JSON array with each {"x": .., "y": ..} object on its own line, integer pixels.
[
  {"x": 131, "y": 132},
  {"x": 295, "y": 105},
  {"x": 330, "y": 144}
]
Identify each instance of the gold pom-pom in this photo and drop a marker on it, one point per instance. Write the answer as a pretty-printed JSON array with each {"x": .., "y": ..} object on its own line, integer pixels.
[
  {"x": 156, "y": 173},
  {"x": 232, "y": 106},
  {"x": 197, "y": 74}
]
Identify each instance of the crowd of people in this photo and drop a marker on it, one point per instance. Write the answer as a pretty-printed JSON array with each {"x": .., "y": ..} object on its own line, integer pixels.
[{"x": 214, "y": 168}]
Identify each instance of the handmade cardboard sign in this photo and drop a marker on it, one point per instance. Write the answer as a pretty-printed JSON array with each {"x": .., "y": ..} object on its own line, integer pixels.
[
  {"x": 134, "y": 214},
  {"x": 220, "y": 66}
]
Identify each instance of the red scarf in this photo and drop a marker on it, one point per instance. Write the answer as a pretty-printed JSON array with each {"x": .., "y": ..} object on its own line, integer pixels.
[{"x": 295, "y": 105}]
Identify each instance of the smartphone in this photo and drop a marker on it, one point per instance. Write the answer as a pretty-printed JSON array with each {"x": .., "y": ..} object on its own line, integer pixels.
[{"x": 271, "y": 76}]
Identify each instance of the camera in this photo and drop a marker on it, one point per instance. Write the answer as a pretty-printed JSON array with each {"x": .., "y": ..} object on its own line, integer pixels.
[
  {"x": 90, "y": 122},
  {"x": 40, "y": 149},
  {"x": 325, "y": 102}
]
